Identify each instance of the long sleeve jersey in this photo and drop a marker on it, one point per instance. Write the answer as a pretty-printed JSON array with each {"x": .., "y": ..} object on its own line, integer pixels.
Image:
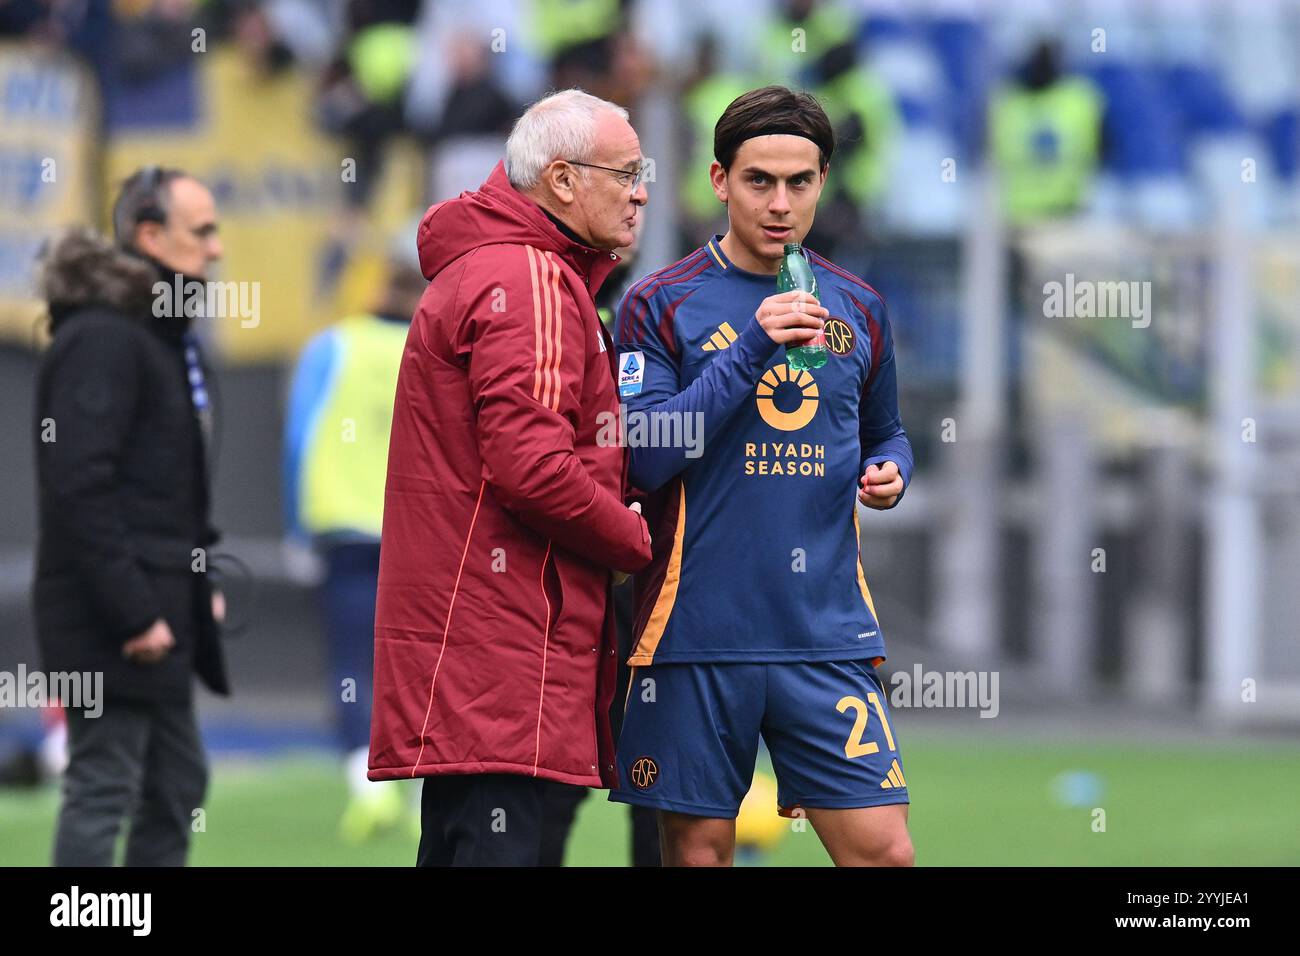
[{"x": 752, "y": 469}]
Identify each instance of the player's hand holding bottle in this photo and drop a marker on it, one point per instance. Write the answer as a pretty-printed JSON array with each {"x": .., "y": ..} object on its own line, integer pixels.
[{"x": 791, "y": 318}]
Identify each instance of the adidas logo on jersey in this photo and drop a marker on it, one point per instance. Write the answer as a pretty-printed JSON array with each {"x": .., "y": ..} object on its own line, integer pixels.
[
  {"x": 894, "y": 778},
  {"x": 720, "y": 339}
]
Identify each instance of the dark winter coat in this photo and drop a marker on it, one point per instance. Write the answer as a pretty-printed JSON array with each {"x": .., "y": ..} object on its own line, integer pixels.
[{"x": 122, "y": 482}]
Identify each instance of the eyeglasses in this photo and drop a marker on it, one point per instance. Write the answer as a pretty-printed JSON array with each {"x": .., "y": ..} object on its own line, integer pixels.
[{"x": 625, "y": 177}]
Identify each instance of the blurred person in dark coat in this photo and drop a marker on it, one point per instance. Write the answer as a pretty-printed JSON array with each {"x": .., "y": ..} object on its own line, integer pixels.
[{"x": 121, "y": 585}]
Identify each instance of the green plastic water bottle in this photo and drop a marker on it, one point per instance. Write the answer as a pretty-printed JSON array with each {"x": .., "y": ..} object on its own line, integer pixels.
[{"x": 796, "y": 273}]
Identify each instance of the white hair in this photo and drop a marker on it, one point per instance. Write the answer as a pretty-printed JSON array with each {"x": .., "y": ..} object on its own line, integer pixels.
[{"x": 559, "y": 126}]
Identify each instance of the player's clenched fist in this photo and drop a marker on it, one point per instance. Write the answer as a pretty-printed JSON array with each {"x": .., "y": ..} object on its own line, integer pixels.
[
  {"x": 791, "y": 318},
  {"x": 881, "y": 486}
]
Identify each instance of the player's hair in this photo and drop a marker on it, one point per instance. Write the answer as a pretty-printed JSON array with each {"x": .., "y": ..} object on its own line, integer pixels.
[
  {"x": 772, "y": 109},
  {"x": 558, "y": 126},
  {"x": 145, "y": 197}
]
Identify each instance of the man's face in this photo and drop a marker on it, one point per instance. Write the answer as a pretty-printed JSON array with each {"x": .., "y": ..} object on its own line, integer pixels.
[
  {"x": 605, "y": 208},
  {"x": 771, "y": 192},
  {"x": 188, "y": 242}
]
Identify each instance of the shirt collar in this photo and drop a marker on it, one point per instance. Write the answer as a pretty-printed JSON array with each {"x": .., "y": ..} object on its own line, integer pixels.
[{"x": 569, "y": 233}]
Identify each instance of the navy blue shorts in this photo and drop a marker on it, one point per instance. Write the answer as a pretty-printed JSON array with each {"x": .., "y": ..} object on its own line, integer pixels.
[{"x": 690, "y": 737}]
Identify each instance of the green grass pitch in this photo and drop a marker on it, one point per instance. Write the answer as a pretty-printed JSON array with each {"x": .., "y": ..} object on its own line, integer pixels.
[{"x": 973, "y": 803}]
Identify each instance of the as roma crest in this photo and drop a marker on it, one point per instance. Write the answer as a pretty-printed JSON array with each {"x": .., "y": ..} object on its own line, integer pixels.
[
  {"x": 839, "y": 336},
  {"x": 644, "y": 773}
]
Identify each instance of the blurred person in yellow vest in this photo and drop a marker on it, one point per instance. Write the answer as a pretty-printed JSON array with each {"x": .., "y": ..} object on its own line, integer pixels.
[
  {"x": 801, "y": 32},
  {"x": 559, "y": 26},
  {"x": 707, "y": 96},
  {"x": 589, "y": 44},
  {"x": 859, "y": 104},
  {"x": 335, "y": 464},
  {"x": 865, "y": 117},
  {"x": 797, "y": 35},
  {"x": 814, "y": 44},
  {"x": 1045, "y": 133},
  {"x": 867, "y": 124}
]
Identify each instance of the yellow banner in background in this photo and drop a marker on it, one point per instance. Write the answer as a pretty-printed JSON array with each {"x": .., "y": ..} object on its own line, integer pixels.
[
  {"x": 278, "y": 184},
  {"x": 48, "y": 109}
]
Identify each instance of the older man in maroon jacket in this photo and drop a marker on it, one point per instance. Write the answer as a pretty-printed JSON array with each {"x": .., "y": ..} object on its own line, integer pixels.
[{"x": 503, "y": 514}]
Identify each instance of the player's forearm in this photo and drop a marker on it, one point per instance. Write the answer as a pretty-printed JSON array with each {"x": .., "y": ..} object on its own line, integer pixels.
[
  {"x": 898, "y": 449},
  {"x": 711, "y": 400}
]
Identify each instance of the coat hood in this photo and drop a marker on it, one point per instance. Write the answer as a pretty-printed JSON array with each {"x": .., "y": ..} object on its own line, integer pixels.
[
  {"x": 497, "y": 213},
  {"x": 83, "y": 270}
]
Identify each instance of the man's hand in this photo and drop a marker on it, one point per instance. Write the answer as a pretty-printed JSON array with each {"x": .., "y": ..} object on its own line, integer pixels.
[
  {"x": 218, "y": 606},
  {"x": 881, "y": 486},
  {"x": 151, "y": 646},
  {"x": 619, "y": 576},
  {"x": 791, "y": 318}
]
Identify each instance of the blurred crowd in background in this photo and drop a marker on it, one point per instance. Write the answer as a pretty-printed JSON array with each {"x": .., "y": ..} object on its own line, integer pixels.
[
  {"x": 331, "y": 125},
  {"x": 1141, "y": 95}
]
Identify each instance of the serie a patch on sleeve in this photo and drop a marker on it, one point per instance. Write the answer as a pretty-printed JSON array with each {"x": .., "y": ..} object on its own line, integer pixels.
[{"x": 631, "y": 374}]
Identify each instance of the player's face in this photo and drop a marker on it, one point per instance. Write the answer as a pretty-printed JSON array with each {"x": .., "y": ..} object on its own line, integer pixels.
[
  {"x": 607, "y": 207},
  {"x": 771, "y": 192}
]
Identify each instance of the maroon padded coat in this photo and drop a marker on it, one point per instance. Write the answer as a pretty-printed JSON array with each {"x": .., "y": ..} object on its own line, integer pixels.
[{"x": 503, "y": 509}]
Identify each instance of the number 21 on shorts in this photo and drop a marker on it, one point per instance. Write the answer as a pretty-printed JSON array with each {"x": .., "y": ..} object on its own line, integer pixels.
[{"x": 855, "y": 746}]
